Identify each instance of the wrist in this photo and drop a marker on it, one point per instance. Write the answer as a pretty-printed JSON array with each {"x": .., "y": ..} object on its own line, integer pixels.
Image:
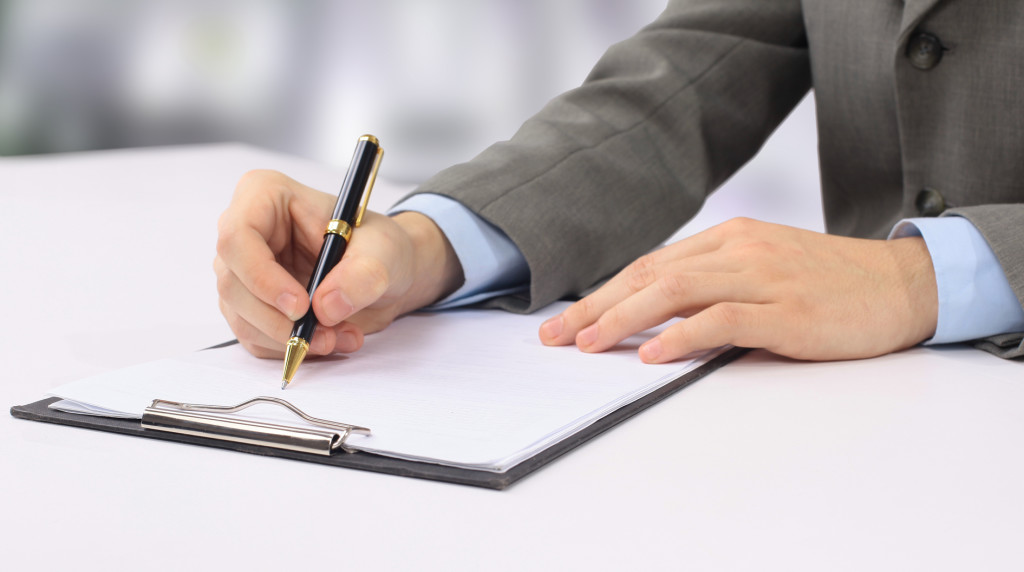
[
  {"x": 918, "y": 278},
  {"x": 437, "y": 270}
]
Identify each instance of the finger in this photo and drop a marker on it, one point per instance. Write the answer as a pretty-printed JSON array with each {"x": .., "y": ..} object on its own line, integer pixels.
[
  {"x": 348, "y": 337},
  {"x": 262, "y": 316},
  {"x": 258, "y": 343},
  {"x": 250, "y": 337},
  {"x": 355, "y": 283},
  {"x": 245, "y": 232},
  {"x": 246, "y": 253},
  {"x": 677, "y": 294},
  {"x": 699, "y": 251},
  {"x": 260, "y": 325},
  {"x": 637, "y": 277},
  {"x": 365, "y": 273},
  {"x": 728, "y": 323},
  {"x": 343, "y": 338}
]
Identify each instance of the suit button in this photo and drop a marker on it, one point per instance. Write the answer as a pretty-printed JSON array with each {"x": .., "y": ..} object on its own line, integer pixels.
[
  {"x": 924, "y": 51},
  {"x": 930, "y": 203}
]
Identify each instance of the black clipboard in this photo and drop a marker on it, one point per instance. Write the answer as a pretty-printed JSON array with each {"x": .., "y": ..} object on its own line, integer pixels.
[{"x": 40, "y": 411}]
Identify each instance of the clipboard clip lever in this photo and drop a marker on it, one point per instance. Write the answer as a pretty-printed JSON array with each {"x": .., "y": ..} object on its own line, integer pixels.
[{"x": 321, "y": 437}]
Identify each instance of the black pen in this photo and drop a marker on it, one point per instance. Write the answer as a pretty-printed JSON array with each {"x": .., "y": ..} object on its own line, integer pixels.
[{"x": 348, "y": 214}]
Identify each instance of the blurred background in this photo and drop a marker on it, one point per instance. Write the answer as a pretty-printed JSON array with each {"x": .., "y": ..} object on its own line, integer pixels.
[{"x": 437, "y": 80}]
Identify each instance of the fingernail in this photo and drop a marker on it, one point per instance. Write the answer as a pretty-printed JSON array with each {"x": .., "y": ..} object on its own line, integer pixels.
[
  {"x": 587, "y": 336},
  {"x": 552, "y": 328},
  {"x": 287, "y": 302},
  {"x": 650, "y": 350},
  {"x": 336, "y": 307}
]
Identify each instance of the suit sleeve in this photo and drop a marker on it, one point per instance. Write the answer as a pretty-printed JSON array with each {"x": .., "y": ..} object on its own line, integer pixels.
[
  {"x": 1003, "y": 229},
  {"x": 609, "y": 170}
]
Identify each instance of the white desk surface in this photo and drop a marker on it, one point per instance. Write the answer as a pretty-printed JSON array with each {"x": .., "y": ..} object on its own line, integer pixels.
[{"x": 907, "y": 462}]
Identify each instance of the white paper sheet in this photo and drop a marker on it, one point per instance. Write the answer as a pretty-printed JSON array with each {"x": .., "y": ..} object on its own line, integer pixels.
[{"x": 468, "y": 388}]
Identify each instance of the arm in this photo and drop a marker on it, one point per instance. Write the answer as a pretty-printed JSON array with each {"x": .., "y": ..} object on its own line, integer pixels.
[
  {"x": 975, "y": 299},
  {"x": 638, "y": 126},
  {"x": 607, "y": 171},
  {"x": 912, "y": 274}
]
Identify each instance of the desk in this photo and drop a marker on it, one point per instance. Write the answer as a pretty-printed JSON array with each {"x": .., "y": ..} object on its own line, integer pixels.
[{"x": 907, "y": 462}]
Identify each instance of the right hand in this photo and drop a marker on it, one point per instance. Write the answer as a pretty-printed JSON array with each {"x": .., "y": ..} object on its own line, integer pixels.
[{"x": 268, "y": 241}]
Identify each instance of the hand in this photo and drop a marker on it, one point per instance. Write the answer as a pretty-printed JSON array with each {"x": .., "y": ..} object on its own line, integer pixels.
[
  {"x": 794, "y": 292},
  {"x": 269, "y": 239}
]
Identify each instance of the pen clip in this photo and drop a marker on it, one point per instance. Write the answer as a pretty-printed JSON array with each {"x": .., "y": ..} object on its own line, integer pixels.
[{"x": 369, "y": 185}]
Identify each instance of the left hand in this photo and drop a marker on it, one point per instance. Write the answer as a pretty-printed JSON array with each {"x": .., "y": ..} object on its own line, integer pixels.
[{"x": 794, "y": 292}]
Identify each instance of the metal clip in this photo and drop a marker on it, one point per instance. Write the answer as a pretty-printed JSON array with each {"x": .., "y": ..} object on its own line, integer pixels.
[{"x": 194, "y": 419}]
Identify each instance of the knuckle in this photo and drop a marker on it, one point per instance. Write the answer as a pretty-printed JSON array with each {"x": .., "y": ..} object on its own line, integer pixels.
[
  {"x": 739, "y": 227},
  {"x": 641, "y": 273},
  {"x": 223, "y": 284},
  {"x": 729, "y": 316},
  {"x": 225, "y": 311},
  {"x": 740, "y": 223},
  {"x": 227, "y": 234},
  {"x": 257, "y": 178},
  {"x": 617, "y": 320},
  {"x": 262, "y": 285},
  {"x": 613, "y": 318},
  {"x": 674, "y": 286},
  {"x": 581, "y": 312},
  {"x": 249, "y": 185}
]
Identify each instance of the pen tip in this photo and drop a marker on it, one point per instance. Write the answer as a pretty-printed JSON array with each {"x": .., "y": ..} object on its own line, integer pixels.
[{"x": 294, "y": 352}]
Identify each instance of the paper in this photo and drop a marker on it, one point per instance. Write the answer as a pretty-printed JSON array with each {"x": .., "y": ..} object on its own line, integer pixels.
[{"x": 466, "y": 388}]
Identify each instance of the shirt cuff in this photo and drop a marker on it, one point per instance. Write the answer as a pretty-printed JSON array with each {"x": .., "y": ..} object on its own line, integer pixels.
[
  {"x": 491, "y": 263},
  {"x": 975, "y": 298}
]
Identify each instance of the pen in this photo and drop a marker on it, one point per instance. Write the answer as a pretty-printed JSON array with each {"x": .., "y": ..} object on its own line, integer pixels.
[{"x": 348, "y": 214}]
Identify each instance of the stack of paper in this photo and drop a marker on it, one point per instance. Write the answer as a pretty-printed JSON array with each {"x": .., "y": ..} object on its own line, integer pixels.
[{"x": 465, "y": 388}]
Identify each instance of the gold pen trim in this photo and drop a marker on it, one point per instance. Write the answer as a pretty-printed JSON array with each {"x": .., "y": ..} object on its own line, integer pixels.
[
  {"x": 295, "y": 351},
  {"x": 339, "y": 227}
]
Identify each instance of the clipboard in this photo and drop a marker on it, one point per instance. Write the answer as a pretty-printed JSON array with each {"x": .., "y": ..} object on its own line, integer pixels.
[{"x": 268, "y": 441}]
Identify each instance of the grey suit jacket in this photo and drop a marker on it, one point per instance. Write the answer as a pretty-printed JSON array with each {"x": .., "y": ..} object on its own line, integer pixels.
[{"x": 921, "y": 95}]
